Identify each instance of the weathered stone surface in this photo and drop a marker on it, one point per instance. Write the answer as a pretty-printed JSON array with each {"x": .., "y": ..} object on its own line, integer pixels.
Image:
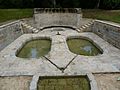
[
  {"x": 61, "y": 61},
  {"x": 9, "y": 32},
  {"x": 108, "y": 31},
  {"x": 15, "y": 83},
  {"x": 54, "y": 17},
  {"x": 108, "y": 81},
  {"x": 60, "y": 56}
]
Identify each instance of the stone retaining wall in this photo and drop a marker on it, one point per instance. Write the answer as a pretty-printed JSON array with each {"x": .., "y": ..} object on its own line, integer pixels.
[
  {"x": 108, "y": 31},
  {"x": 52, "y": 17},
  {"x": 9, "y": 32}
]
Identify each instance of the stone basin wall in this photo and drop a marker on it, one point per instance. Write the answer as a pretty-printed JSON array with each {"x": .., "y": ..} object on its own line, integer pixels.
[
  {"x": 108, "y": 31},
  {"x": 9, "y": 32},
  {"x": 57, "y": 17}
]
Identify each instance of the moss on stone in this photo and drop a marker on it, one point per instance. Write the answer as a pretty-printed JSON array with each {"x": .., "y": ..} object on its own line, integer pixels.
[
  {"x": 35, "y": 49},
  {"x": 82, "y": 47},
  {"x": 64, "y": 83}
]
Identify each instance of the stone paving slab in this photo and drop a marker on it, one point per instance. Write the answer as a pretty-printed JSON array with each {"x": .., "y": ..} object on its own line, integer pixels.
[
  {"x": 59, "y": 55},
  {"x": 95, "y": 63},
  {"x": 107, "y": 81},
  {"x": 15, "y": 83}
]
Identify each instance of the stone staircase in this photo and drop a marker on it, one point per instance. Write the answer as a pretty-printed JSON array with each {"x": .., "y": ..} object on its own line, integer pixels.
[
  {"x": 85, "y": 27},
  {"x": 31, "y": 28}
]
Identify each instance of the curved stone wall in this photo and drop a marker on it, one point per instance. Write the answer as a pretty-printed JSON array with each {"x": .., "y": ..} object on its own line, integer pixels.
[{"x": 52, "y": 17}]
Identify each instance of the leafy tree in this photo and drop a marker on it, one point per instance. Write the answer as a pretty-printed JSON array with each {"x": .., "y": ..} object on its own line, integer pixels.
[
  {"x": 98, "y": 4},
  {"x": 89, "y": 4},
  {"x": 110, "y": 4},
  {"x": 16, "y": 3}
]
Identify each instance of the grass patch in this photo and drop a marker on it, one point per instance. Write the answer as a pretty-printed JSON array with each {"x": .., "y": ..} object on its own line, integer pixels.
[
  {"x": 110, "y": 15},
  {"x": 14, "y": 14}
]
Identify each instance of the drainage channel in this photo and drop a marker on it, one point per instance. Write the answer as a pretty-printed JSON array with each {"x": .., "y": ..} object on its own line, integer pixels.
[{"x": 62, "y": 69}]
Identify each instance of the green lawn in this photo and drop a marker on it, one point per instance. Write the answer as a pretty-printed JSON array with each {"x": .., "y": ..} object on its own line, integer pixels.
[
  {"x": 14, "y": 14},
  {"x": 110, "y": 15}
]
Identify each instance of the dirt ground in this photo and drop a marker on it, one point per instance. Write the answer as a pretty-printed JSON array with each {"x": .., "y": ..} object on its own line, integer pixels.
[
  {"x": 108, "y": 81},
  {"x": 15, "y": 83}
]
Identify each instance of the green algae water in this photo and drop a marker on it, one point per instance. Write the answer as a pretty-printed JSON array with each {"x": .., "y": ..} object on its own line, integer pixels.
[
  {"x": 63, "y": 83},
  {"x": 83, "y": 47},
  {"x": 35, "y": 49}
]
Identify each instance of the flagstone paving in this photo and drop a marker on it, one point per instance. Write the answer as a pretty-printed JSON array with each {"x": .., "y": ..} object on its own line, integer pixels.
[
  {"x": 108, "y": 81},
  {"x": 59, "y": 61}
]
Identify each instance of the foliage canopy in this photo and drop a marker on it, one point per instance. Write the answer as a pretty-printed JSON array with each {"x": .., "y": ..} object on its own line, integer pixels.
[{"x": 89, "y": 4}]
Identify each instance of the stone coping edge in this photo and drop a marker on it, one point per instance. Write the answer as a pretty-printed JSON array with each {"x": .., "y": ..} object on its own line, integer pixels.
[
  {"x": 33, "y": 84},
  {"x": 108, "y": 23},
  {"x": 4, "y": 25},
  {"x": 93, "y": 83},
  {"x": 107, "y": 72}
]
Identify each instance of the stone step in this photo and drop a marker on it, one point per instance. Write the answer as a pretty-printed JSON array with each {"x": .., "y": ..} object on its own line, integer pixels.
[
  {"x": 24, "y": 24},
  {"x": 80, "y": 28},
  {"x": 91, "y": 23},
  {"x": 86, "y": 25},
  {"x": 30, "y": 27},
  {"x": 36, "y": 31},
  {"x": 83, "y": 27}
]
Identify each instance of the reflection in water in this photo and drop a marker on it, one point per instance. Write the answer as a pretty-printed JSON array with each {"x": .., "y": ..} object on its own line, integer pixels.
[
  {"x": 35, "y": 49},
  {"x": 88, "y": 49},
  {"x": 34, "y": 53},
  {"x": 83, "y": 47}
]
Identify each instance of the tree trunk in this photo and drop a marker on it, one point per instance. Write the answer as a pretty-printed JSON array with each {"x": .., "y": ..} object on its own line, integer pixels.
[
  {"x": 54, "y": 3},
  {"x": 98, "y": 4}
]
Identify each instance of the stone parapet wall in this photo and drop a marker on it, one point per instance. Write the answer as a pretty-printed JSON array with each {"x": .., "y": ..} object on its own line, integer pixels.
[
  {"x": 53, "y": 17},
  {"x": 9, "y": 32},
  {"x": 57, "y": 10},
  {"x": 108, "y": 31}
]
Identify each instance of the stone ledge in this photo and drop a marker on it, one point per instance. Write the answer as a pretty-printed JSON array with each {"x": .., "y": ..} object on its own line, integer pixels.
[
  {"x": 93, "y": 82},
  {"x": 2, "y": 26},
  {"x": 108, "y": 23},
  {"x": 33, "y": 84}
]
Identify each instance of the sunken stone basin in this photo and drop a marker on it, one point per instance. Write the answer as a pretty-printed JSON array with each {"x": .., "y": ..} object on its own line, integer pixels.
[
  {"x": 83, "y": 46},
  {"x": 63, "y": 83},
  {"x": 35, "y": 48}
]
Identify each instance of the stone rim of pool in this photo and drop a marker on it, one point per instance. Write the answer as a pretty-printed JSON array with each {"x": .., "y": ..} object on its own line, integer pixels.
[
  {"x": 34, "y": 40},
  {"x": 94, "y": 44}
]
